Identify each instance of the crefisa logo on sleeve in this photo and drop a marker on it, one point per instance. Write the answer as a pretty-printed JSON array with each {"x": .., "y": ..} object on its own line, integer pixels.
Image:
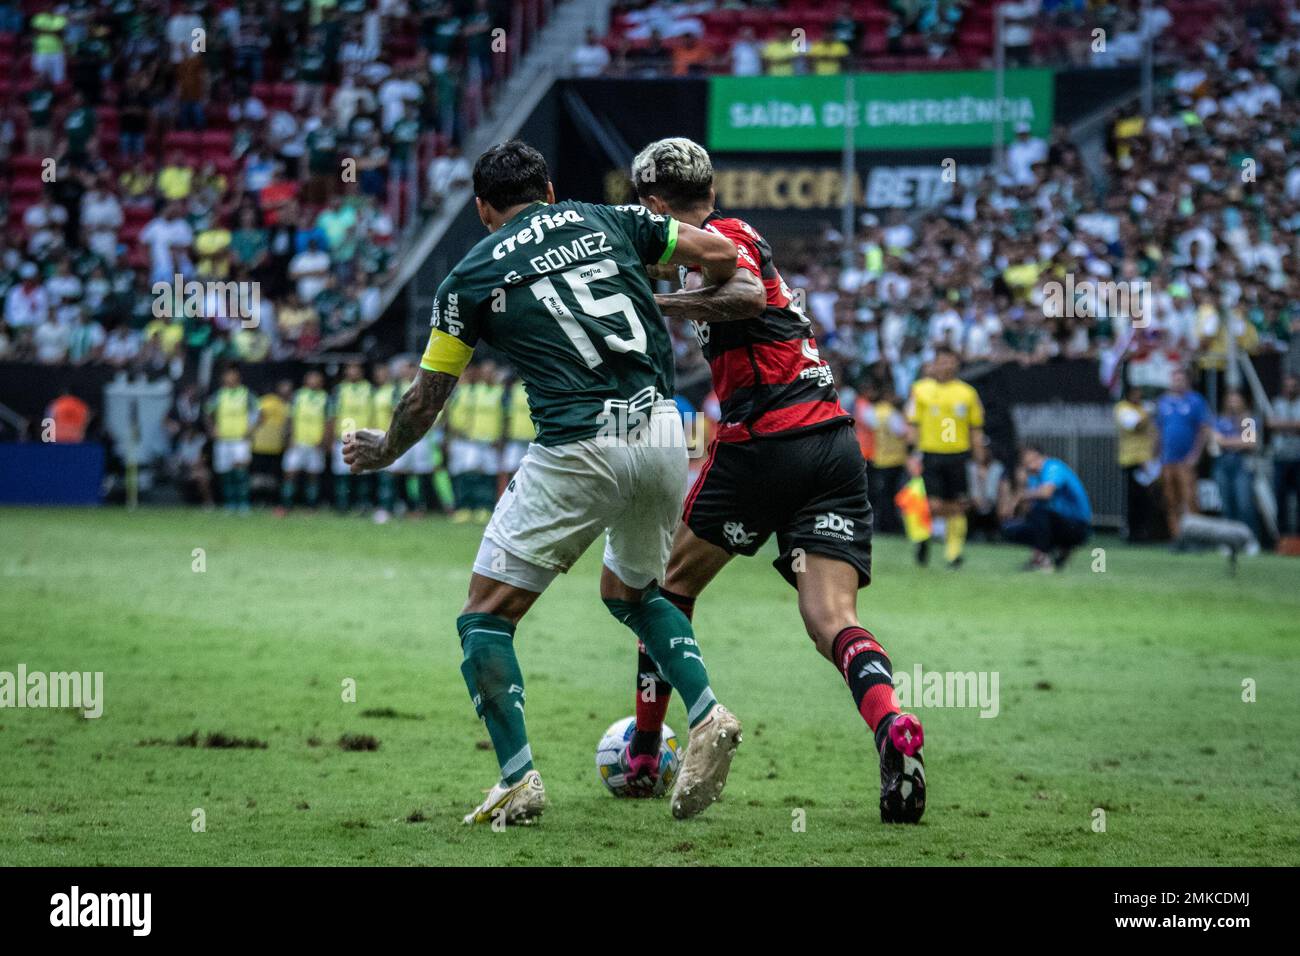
[{"x": 133, "y": 910}]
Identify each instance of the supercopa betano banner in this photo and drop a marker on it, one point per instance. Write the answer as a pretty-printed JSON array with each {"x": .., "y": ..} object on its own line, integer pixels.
[
  {"x": 799, "y": 183},
  {"x": 946, "y": 109},
  {"x": 790, "y": 193}
]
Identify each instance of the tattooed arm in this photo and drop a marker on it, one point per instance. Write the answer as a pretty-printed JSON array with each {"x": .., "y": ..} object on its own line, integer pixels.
[
  {"x": 740, "y": 297},
  {"x": 373, "y": 450}
]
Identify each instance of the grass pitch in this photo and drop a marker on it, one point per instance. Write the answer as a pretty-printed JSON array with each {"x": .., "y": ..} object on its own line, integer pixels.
[{"x": 1119, "y": 691}]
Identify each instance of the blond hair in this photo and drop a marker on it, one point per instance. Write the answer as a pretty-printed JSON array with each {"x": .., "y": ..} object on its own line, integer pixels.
[{"x": 676, "y": 169}]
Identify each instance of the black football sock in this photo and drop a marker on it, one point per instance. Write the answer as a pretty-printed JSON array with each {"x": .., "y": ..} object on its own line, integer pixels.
[{"x": 870, "y": 676}]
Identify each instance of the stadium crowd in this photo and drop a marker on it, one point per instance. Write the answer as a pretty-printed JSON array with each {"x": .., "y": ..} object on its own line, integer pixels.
[
  {"x": 1198, "y": 208},
  {"x": 231, "y": 178},
  {"x": 753, "y": 37},
  {"x": 281, "y": 147}
]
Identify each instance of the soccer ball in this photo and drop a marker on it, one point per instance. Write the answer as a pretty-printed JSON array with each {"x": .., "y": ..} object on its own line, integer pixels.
[{"x": 609, "y": 759}]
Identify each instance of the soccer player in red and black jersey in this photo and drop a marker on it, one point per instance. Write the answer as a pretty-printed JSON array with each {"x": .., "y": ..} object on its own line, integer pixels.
[{"x": 785, "y": 461}]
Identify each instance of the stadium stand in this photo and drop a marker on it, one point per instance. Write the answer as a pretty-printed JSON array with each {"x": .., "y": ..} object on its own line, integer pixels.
[
  {"x": 129, "y": 161},
  {"x": 658, "y": 37},
  {"x": 291, "y": 145}
]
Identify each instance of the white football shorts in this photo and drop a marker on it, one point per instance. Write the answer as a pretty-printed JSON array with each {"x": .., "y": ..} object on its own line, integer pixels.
[
  {"x": 563, "y": 497},
  {"x": 304, "y": 458},
  {"x": 227, "y": 454}
]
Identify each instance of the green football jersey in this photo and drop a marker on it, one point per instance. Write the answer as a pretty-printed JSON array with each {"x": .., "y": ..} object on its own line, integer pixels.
[{"x": 561, "y": 291}]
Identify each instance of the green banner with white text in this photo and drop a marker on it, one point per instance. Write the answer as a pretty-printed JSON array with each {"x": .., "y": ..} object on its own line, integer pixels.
[{"x": 937, "y": 109}]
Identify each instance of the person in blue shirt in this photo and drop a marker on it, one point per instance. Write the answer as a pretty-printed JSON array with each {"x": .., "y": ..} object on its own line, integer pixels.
[
  {"x": 1235, "y": 432},
  {"x": 1183, "y": 419},
  {"x": 1057, "y": 517}
]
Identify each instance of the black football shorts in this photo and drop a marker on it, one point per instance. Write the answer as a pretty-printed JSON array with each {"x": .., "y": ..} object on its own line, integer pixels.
[
  {"x": 945, "y": 475},
  {"x": 809, "y": 489}
]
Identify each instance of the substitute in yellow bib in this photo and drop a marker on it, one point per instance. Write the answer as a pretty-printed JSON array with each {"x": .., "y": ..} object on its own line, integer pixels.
[
  {"x": 305, "y": 455},
  {"x": 232, "y": 414},
  {"x": 350, "y": 410},
  {"x": 946, "y": 416},
  {"x": 519, "y": 429},
  {"x": 384, "y": 398},
  {"x": 419, "y": 468},
  {"x": 475, "y": 429}
]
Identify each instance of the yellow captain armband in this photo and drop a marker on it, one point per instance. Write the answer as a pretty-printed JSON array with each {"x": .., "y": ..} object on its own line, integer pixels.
[{"x": 445, "y": 353}]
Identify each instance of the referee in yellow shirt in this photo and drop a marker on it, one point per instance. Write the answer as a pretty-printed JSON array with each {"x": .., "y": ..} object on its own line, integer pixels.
[{"x": 946, "y": 418}]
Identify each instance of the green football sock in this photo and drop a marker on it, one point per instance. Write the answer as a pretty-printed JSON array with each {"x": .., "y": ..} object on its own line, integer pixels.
[
  {"x": 496, "y": 686},
  {"x": 243, "y": 487},
  {"x": 670, "y": 642},
  {"x": 286, "y": 492},
  {"x": 442, "y": 487},
  {"x": 386, "y": 491},
  {"x": 228, "y": 489},
  {"x": 411, "y": 492},
  {"x": 313, "y": 490},
  {"x": 342, "y": 491}
]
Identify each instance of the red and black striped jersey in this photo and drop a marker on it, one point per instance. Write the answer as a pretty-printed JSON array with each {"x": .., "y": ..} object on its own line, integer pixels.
[{"x": 768, "y": 375}]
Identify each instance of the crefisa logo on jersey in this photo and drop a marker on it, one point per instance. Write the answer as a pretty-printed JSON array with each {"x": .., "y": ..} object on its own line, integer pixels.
[
  {"x": 453, "y": 313},
  {"x": 535, "y": 231},
  {"x": 452, "y": 317}
]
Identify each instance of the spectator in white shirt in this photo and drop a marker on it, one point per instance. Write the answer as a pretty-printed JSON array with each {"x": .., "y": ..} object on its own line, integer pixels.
[
  {"x": 64, "y": 289},
  {"x": 394, "y": 93},
  {"x": 591, "y": 58},
  {"x": 169, "y": 238},
  {"x": 1024, "y": 153},
  {"x": 309, "y": 269},
  {"x": 101, "y": 218},
  {"x": 349, "y": 99},
  {"x": 446, "y": 173},
  {"x": 180, "y": 32},
  {"x": 1018, "y": 29},
  {"x": 27, "y": 304},
  {"x": 356, "y": 52},
  {"x": 121, "y": 346},
  {"x": 43, "y": 226},
  {"x": 51, "y": 341}
]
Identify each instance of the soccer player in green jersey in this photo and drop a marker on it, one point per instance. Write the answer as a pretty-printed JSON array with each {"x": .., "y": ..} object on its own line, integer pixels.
[{"x": 561, "y": 289}]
